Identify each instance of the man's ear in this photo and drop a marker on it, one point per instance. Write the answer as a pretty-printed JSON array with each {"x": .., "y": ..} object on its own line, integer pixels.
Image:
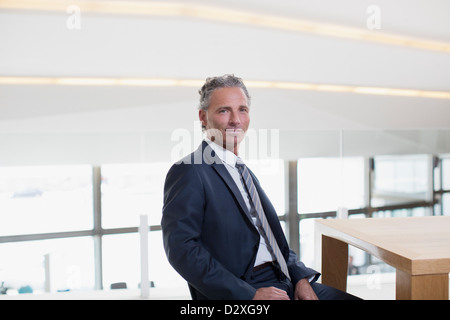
[{"x": 202, "y": 116}]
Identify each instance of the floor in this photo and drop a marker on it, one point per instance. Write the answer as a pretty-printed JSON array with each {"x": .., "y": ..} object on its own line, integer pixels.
[
  {"x": 368, "y": 287},
  {"x": 379, "y": 286}
]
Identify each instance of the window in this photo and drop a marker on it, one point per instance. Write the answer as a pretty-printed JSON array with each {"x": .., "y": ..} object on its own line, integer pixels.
[
  {"x": 446, "y": 173},
  {"x": 307, "y": 241},
  {"x": 270, "y": 173},
  {"x": 121, "y": 261},
  {"x": 325, "y": 184},
  {"x": 45, "y": 199},
  {"x": 131, "y": 190},
  {"x": 71, "y": 264},
  {"x": 446, "y": 204},
  {"x": 442, "y": 186},
  {"x": 400, "y": 179}
]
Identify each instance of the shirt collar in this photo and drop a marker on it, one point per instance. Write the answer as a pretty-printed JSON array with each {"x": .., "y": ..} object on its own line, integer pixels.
[{"x": 225, "y": 155}]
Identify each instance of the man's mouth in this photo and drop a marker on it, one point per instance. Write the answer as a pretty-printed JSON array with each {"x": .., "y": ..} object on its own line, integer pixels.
[{"x": 234, "y": 132}]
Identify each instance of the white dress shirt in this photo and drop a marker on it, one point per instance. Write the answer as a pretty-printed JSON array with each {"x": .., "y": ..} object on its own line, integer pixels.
[{"x": 229, "y": 159}]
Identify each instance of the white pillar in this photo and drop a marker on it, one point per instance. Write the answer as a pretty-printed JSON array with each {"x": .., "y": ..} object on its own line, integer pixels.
[
  {"x": 342, "y": 213},
  {"x": 143, "y": 233},
  {"x": 47, "y": 287}
]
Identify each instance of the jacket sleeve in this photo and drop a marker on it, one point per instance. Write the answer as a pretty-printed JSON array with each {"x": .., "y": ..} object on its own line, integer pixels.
[
  {"x": 182, "y": 223},
  {"x": 298, "y": 270}
]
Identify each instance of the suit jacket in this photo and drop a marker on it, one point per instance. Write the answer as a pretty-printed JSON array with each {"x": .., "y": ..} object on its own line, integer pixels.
[{"x": 208, "y": 234}]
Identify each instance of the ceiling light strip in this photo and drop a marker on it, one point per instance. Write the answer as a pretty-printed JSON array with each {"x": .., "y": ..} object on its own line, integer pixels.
[
  {"x": 226, "y": 15},
  {"x": 155, "y": 82}
]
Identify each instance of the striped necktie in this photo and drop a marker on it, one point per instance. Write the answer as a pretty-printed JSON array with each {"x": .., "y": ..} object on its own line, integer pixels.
[{"x": 261, "y": 220}]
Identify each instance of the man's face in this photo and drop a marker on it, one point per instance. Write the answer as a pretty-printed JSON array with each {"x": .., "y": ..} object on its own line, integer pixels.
[{"x": 227, "y": 118}]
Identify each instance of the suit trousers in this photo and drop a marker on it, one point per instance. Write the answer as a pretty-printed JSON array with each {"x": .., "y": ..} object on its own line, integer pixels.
[{"x": 272, "y": 276}]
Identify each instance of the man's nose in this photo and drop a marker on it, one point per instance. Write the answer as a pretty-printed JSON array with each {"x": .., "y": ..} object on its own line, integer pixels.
[{"x": 234, "y": 118}]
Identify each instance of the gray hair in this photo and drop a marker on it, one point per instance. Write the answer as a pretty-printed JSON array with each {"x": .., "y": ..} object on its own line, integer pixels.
[{"x": 213, "y": 83}]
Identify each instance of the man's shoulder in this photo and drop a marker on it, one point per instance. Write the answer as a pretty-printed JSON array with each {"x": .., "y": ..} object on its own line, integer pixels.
[
  {"x": 204, "y": 155},
  {"x": 192, "y": 167},
  {"x": 195, "y": 157}
]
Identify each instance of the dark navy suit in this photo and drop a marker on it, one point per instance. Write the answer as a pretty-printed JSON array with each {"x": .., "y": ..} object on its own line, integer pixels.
[{"x": 208, "y": 234}]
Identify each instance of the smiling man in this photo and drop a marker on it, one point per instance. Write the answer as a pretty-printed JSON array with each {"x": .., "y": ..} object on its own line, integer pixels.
[
  {"x": 226, "y": 117},
  {"x": 220, "y": 230}
]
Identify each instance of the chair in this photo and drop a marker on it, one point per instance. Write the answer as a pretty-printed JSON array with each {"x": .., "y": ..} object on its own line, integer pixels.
[{"x": 118, "y": 285}]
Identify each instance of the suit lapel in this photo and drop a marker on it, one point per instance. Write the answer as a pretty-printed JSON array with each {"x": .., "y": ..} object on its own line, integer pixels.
[
  {"x": 210, "y": 158},
  {"x": 223, "y": 172}
]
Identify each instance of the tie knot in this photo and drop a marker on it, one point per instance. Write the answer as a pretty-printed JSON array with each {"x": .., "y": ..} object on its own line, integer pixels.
[
  {"x": 240, "y": 165},
  {"x": 239, "y": 162}
]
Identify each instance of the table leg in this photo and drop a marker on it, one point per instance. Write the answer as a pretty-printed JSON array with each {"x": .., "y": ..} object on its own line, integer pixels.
[
  {"x": 334, "y": 263},
  {"x": 421, "y": 287}
]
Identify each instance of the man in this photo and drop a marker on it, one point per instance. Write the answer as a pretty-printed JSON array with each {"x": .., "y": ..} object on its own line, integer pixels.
[{"x": 220, "y": 231}]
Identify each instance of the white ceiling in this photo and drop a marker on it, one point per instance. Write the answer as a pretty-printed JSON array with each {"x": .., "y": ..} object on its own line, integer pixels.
[{"x": 38, "y": 43}]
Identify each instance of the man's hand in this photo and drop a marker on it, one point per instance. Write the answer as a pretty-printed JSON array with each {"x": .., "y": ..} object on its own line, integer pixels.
[
  {"x": 270, "y": 293},
  {"x": 304, "y": 291}
]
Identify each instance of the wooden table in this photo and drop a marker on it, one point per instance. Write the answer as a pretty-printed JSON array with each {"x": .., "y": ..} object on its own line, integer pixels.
[{"x": 418, "y": 247}]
